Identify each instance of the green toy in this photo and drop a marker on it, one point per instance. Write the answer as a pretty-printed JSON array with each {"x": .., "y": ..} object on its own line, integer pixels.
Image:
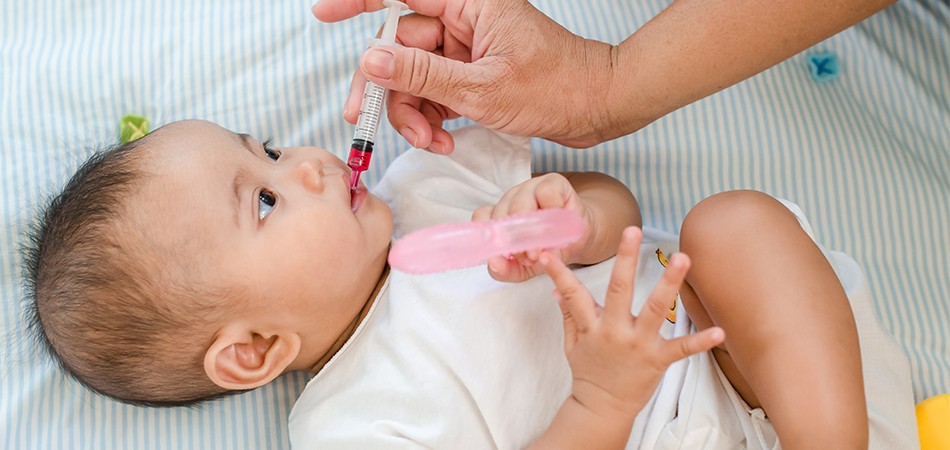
[{"x": 132, "y": 127}]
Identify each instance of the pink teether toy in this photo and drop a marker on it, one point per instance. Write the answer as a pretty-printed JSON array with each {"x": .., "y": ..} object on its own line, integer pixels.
[{"x": 459, "y": 245}]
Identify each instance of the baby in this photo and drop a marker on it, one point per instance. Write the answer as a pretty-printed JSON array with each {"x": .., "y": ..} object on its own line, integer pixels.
[{"x": 197, "y": 262}]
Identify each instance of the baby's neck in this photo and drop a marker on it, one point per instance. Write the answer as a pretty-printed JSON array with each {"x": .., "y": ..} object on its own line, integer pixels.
[{"x": 351, "y": 328}]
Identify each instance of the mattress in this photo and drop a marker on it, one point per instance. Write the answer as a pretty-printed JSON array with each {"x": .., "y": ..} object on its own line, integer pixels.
[{"x": 866, "y": 155}]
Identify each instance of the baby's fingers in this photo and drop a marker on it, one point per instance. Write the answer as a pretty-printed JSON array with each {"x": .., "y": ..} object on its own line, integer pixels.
[
  {"x": 574, "y": 296},
  {"x": 511, "y": 269},
  {"x": 620, "y": 290},
  {"x": 553, "y": 194},
  {"x": 482, "y": 214},
  {"x": 682, "y": 347},
  {"x": 663, "y": 295}
]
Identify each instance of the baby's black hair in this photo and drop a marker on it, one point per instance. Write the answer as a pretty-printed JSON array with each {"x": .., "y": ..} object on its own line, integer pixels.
[{"x": 98, "y": 299}]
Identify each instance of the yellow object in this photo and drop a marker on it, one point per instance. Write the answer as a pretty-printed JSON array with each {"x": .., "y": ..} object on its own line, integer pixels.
[
  {"x": 132, "y": 127},
  {"x": 933, "y": 423},
  {"x": 671, "y": 313}
]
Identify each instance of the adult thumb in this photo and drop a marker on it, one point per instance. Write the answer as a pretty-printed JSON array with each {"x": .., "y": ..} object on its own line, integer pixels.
[{"x": 421, "y": 74}]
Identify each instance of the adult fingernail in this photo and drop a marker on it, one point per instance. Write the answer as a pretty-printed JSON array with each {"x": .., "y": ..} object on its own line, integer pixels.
[
  {"x": 437, "y": 147},
  {"x": 379, "y": 62},
  {"x": 410, "y": 136}
]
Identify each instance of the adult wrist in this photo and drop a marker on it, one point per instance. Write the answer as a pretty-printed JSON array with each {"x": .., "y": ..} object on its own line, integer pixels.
[{"x": 620, "y": 99}]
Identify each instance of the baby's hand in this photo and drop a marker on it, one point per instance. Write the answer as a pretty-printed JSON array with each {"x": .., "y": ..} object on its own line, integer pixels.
[
  {"x": 551, "y": 190},
  {"x": 618, "y": 359}
]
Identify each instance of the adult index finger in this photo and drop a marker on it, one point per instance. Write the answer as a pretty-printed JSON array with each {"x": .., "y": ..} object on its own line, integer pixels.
[{"x": 337, "y": 10}]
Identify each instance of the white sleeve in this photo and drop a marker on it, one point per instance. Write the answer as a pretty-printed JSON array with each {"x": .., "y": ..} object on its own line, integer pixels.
[{"x": 425, "y": 189}]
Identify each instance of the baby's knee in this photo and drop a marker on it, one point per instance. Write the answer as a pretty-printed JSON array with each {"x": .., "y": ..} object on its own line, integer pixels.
[{"x": 729, "y": 216}]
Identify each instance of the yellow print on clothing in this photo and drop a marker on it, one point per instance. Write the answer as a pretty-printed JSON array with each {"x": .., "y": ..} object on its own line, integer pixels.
[{"x": 671, "y": 314}]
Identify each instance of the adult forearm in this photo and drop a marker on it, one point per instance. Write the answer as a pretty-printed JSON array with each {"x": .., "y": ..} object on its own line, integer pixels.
[{"x": 695, "y": 48}]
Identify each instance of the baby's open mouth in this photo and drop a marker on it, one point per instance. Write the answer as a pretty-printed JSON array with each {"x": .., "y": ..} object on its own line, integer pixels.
[{"x": 357, "y": 196}]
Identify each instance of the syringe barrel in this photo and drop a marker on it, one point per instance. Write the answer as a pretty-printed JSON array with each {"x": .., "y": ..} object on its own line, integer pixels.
[
  {"x": 370, "y": 111},
  {"x": 361, "y": 151}
]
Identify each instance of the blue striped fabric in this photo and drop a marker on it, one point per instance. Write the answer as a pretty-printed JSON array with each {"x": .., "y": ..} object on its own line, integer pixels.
[{"x": 867, "y": 156}]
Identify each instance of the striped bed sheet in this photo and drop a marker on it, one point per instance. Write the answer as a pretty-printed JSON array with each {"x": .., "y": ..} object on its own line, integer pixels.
[{"x": 866, "y": 156}]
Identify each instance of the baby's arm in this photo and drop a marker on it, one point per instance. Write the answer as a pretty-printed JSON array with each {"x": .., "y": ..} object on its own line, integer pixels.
[
  {"x": 612, "y": 208},
  {"x": 616, "y": 359},
  {"x": 605, "y": 203}
]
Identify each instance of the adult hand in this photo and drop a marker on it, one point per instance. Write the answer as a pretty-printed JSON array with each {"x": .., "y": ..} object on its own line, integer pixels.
[
  {"x": 501, "y": 63},
  {"x": 507, "y": 66}
]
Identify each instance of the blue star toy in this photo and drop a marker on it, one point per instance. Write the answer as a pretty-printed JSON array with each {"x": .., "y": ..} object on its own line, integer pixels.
[{"x": 823, "y": 66}]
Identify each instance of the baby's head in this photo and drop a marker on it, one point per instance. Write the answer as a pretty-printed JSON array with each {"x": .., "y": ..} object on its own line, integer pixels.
[{"x": 196, "y": 261}]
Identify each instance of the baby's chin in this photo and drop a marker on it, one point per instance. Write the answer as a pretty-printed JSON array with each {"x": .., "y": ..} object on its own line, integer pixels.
[{"x": 370, "y": 208}]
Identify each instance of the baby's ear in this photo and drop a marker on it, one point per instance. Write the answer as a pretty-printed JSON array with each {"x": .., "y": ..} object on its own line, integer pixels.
[{"x": 241, "y": 359}]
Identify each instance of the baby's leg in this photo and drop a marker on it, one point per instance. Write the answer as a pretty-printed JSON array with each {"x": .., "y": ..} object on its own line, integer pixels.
[{"x": 791, "y": 344}]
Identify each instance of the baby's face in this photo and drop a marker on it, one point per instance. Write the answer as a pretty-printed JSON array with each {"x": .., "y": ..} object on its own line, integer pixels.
[{"x": 277, "y": 225}]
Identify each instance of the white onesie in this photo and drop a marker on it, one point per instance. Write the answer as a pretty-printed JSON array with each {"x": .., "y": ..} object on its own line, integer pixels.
[{"x": 458, "y": 360}]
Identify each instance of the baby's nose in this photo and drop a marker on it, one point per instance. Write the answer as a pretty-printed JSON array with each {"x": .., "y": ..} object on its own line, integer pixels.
[{"x": 309, "y": 171}]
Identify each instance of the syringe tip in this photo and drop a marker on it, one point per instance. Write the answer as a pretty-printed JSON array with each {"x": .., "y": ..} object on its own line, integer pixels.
[{"x": 355, "y": 179}]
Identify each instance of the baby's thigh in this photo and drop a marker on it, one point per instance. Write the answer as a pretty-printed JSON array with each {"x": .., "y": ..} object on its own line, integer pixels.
[{"x": 757, "y": 274}]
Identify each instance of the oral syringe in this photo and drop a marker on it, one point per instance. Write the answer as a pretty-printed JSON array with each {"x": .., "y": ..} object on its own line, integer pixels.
[{"x": 361, "y": 151}]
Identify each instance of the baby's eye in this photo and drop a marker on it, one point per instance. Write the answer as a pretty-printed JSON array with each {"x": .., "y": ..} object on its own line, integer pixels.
[
  {"x": 266, "y": 202},
  {"x": 270, "y": 152}
]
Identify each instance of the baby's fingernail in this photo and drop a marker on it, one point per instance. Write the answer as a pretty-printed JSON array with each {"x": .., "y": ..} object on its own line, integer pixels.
[
  {"x": 496, "y": 266},
  {"x": 379, "y": 62},
  {"x": 544, "y": 259},
  {"x": 676, "y": 260}
]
